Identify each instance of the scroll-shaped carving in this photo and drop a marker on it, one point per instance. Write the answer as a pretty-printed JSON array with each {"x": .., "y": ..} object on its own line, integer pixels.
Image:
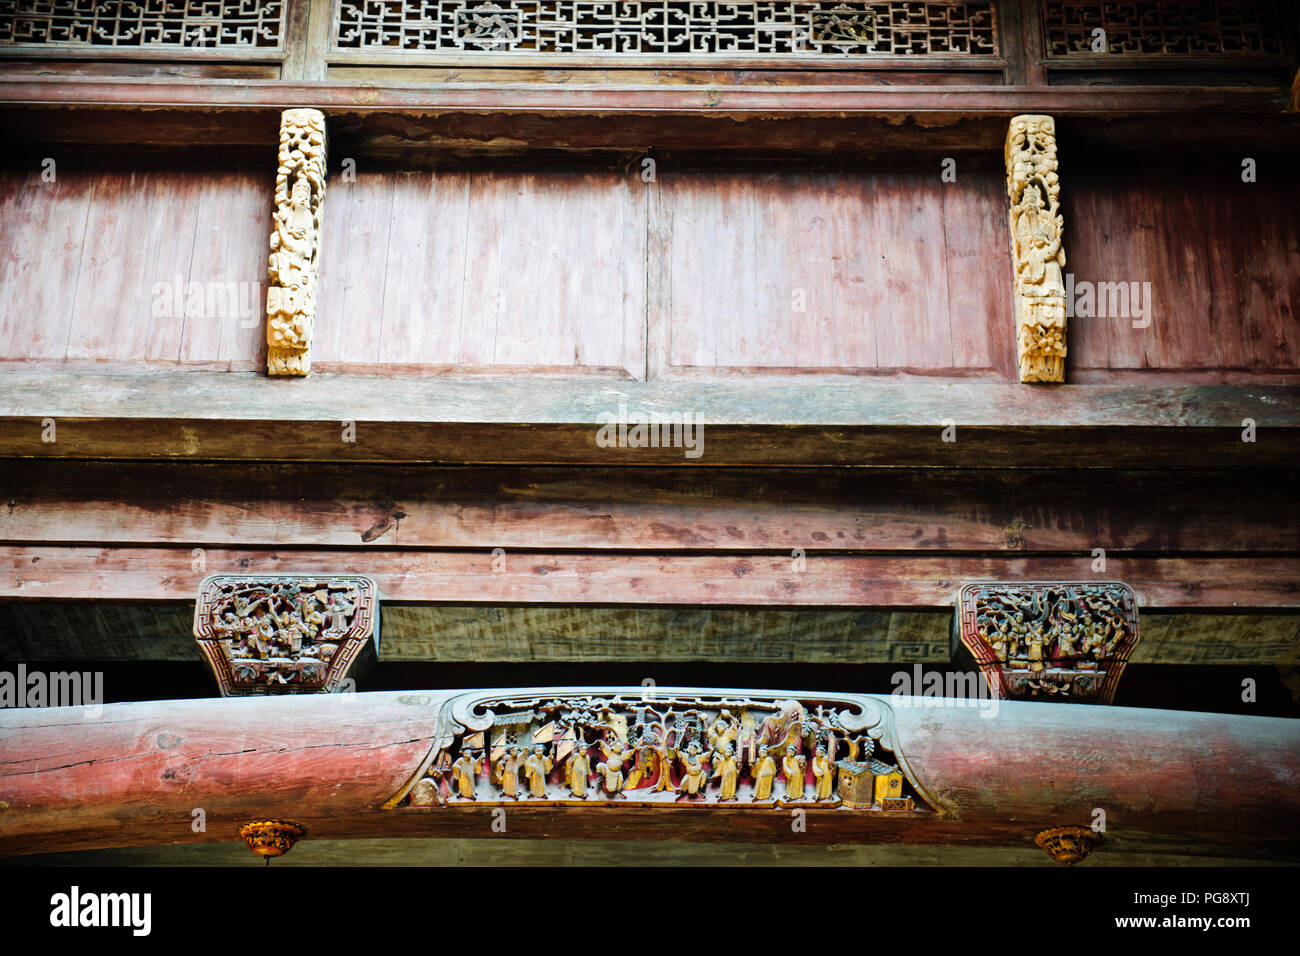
[
  {"x": 287, "y": 634},
  {"x": 295, "y": 242},
  {"x": 675, "y": 747},
  {"x": 1059, "y": 641},
  {"x": 1037, "y": 256}
]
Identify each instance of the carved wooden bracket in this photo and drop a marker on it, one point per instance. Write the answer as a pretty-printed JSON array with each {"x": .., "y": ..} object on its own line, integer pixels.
[
  {"x": 295, "y": 242},
  {"x": 1037, "y": 256},
  {"x": 285, "y": 634},
  {"x": 666, "y": 747},
  {"x": 1050, "y": 641}
]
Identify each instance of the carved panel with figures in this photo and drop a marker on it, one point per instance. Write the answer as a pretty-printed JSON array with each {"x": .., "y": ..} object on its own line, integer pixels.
[
  {"x": 295, "y": 242},
  {"x": 1037, "y": 255},
  {"x": 287, "y": 634},
  {"x": 666, "y": 747},
  {"x": 1050, "y": 641}
]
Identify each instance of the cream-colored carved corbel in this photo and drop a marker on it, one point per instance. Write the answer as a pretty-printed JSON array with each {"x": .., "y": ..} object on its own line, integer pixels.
[
  {"x": 1037, "y": 256},
  {"x": 295, "y": 242}
]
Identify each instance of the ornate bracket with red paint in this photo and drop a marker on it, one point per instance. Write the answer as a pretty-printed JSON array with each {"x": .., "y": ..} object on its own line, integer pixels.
[
  {"x": 286, "y": 634},
  {"x": 1062, "y": 641}
]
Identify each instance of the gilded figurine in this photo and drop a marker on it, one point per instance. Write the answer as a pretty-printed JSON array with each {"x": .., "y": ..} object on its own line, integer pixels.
[
  {"x": 536, "y": 766},
  {"x": 764, "y": 775},
  {"x": 726, "y": 769},
  {"x": 577, "y": 771},
  {"x": 824, "y": 772},
  {"x": 508, "y": 772},
  {"x": 693, "y": 772},
  {"x": 464, "y": 771},
  {"x": 793, "y": 765}
]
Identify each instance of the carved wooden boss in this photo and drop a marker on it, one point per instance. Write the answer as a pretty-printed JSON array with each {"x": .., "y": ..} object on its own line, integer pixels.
[
  {"x": 1037, "y": 255},
  {"x": 1050, "y": 641},
  {"x": 288, "y": 634}
]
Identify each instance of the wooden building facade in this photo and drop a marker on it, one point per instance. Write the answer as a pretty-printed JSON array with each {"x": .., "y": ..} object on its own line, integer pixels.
[{"x": 661, "y": 357}]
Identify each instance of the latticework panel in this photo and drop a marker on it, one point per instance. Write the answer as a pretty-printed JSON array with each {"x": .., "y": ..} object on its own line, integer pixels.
[
  {"x": 690, "y": 28},
  {"x": 1162, "y": 28},
  {"x": 146, "y": 24}
]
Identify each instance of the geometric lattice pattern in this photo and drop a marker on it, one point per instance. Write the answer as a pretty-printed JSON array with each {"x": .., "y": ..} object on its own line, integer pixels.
[
  {"x": 1163, "y": 27},
  {"x": 692, "y": 28},
  {"x": 144, "y": 24}
]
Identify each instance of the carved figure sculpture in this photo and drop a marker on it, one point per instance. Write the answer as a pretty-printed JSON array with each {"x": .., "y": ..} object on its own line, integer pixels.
[
  {"x": 536, "y": 766},
  {"x": 727, "y": 770},
  {"x": 764, "y": 775},
  {"x": 577, "y": 772},
  {"x": 824, "y": 772},
  {"x": 508, "y": 772},
  {"x": 693, "y": 772},
  {"x": 295, "y": 242},
  {"x": 1037, "y": 256},
  {"x": 464, "y": 770},
  {"x": 793, "y": 765}
]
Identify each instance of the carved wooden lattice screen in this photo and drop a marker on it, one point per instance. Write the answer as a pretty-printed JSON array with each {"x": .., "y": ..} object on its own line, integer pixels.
[
  {"x": 1082, "y": 29},
  {"x": 691, "y": 29},
  {"x": 170, "y": 27}
]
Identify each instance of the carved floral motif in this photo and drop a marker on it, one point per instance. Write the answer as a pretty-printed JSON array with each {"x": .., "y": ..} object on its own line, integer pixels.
[
  {"x": 1050, "y": 641},
  {"x": 283, "y": 634},
  {"x": 295, "y": 242},
  {"x": 1037, "y": 256},
  {"x": 673, "y": 748}
]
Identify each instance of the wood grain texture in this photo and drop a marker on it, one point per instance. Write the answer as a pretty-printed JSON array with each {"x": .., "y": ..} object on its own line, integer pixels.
[
  {"x": 884, "y": 581},
  {"x": 1221, "y": 256},
  {"x": 326, "y": 761},
  {"x": 649, "y": 509}
]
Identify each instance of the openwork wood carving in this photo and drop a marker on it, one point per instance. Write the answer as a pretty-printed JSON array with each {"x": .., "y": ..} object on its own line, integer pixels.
[
  {"x": 171, "y": 25},
  {"x": 295, "y": 242},
  {"x": 686, "y": 28},
  {"x": 668, "y": 748},
  {"x": 287, "y": 634},
  {"x": 1037, "y": 256},
  {"x": 1161, "y": 28},
  {"x": 1041, "y": 641}
]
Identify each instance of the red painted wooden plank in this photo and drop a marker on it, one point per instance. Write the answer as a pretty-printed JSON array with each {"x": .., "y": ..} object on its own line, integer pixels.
[
  {"x": 52, "y": 240},
  {"x": 168, "y": 574}
]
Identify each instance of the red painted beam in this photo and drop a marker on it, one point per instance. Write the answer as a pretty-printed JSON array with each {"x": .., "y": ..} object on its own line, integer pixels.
[{"x": 136, "y": 775}]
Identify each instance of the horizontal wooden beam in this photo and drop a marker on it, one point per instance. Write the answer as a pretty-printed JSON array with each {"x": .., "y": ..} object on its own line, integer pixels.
[
  {"x": 134, "y": 774},
  {"x": 116, "y": 634},
  {"x": 362, "y": 418},
  {"x": 652, "y": 508},
  {"x": 580, "y": 98},
  {"x": 831, "y": 580}
]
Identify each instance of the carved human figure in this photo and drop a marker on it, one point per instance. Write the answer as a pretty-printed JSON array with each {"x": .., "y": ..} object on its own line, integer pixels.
[
  {"x": 1038, "y": 236},
  {"x": 723, "y": 731},
  {"x": 536, "y": 766},
  {"x": 1036, "y": 652},
  {"x": 764, "y": 775},
  {"x": 726, "y": 769},
  {"x": 793, "y": 765},
  {"x": 664, "y": 757},
  {"x": 577, "y": 771},
  {"x": 464, "y": 771},
  {"x": 824, "y": 772},
  {"x": 508, "y": 772},
  {"x": 611, "y": 771},
  {"x": 693, "y": 772}
]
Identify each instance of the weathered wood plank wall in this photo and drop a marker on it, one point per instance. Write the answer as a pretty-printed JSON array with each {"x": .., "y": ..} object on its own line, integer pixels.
[{"x": 705, "y": 272}]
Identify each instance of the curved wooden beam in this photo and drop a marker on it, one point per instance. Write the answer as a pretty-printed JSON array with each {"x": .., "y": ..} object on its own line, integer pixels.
[{"x": 995, "y": 773}]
